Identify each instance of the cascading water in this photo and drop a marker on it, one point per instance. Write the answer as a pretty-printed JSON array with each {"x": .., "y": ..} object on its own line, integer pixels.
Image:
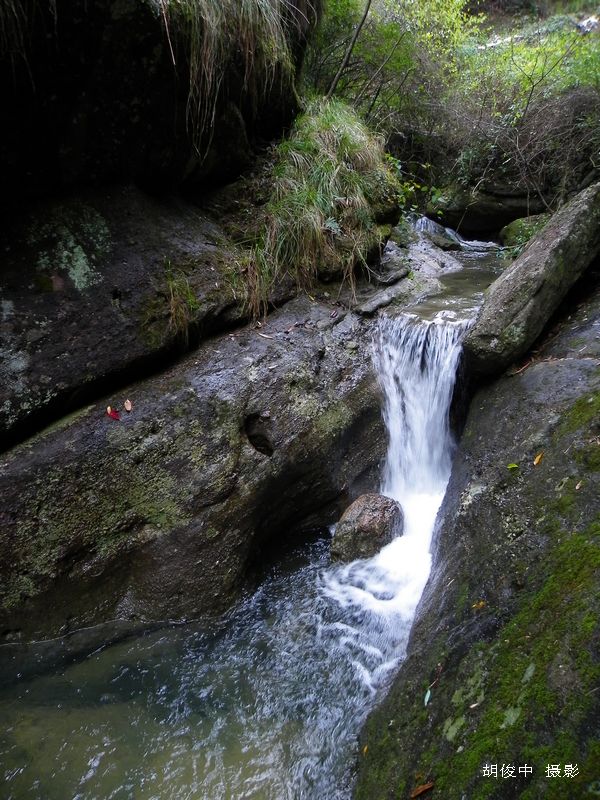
[
  {"x": 270, "y": 705},
  {"x": 416, "y": 362}
]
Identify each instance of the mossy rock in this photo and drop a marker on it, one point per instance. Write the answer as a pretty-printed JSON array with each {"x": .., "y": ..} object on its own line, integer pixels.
[{"x": 519, "y": 232}]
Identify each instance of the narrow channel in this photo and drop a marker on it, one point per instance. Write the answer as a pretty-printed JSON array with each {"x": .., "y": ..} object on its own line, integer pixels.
[{"x": 268, "y": 704}]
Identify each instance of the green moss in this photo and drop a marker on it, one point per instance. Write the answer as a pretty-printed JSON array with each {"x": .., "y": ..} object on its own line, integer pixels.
[
  {"x": 589, "y": 456},
  {"x": 519, "y": 232},
  {"x": 120, "y": 504},
  {"x": 539, "y": 665},
  {"x": 582, "y": 413}
]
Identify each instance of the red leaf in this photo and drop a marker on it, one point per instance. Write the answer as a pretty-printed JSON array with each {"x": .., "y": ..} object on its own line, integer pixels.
[{"x": 112, "y": 413}]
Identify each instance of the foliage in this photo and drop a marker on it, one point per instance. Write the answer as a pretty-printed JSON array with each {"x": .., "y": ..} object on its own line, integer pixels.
[
  {"x": 181, "y": 301},
  {"x": 528, "y": 108},
  {"x": 398, "y": 43},
  {"x": 522, "y": 108},
  {"x": 328, "y": 178}
]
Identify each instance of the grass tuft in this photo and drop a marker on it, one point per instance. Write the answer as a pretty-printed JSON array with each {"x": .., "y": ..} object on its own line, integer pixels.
[{"x": 328, "y": 177}]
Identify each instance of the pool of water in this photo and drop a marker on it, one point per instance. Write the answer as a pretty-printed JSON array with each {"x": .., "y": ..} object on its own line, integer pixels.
[{"x": 266, "y": 704}]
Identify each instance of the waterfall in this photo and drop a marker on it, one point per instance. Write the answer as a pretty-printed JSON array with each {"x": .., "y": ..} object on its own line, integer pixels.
[{"x": 416, "y": 363}]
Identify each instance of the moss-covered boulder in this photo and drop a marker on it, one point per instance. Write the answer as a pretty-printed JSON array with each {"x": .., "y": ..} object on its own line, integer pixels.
[
  {"x": 371, "y": 522},
  {"x": 519, "y": 232},
  {"x": 158, "y": 514},
  {"x": 519, "y": 303},
  {"x": 503, "y": 661}
]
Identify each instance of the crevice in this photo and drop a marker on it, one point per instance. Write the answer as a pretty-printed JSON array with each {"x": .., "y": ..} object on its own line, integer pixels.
[{"x": 142, "y": 368}]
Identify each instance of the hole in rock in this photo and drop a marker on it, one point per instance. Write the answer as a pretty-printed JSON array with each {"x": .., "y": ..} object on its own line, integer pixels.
[{"x": 256, "y": 428}]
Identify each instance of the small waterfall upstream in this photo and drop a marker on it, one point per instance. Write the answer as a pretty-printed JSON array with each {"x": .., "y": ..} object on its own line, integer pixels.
[{"x": 269, "y": 704}]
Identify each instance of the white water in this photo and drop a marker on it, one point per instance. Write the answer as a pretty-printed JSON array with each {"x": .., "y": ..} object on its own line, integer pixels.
[
  {"x": 270, "y": 703},
  {"x": 416, "y": 362}
]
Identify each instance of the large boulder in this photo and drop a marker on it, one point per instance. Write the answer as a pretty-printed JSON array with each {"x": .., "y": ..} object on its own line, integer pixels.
[
  {"x": 97, "y": 290},
  {"x": 520, "y": 302},
  {"x": 503, "y": 660},
  {"x": 519, "y": 232},
  {"x": 371, "y": 522},
  {"x": 157, "y": 515}
]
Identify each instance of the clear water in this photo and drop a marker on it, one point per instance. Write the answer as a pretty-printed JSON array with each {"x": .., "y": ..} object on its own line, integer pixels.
[{"x": 269, "y": 702}]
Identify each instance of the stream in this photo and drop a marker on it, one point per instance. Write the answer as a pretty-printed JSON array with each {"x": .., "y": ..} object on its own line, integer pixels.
[{"x": 267, "y": 703}]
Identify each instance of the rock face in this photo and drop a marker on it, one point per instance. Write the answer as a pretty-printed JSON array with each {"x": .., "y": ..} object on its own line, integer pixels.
[
  {"x": 504, "y": 658},
  {"x": 130, "y": 89},
  {"x": 371, "y": 522},
  {"x": 157, "y": 515},
  {"x": 520, "y": 302},
  {"x": 476, "y": 212},
  {"x": 96, "y": 290}
]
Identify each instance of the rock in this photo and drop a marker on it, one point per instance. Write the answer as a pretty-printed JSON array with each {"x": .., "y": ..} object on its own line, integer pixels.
[
  {"x": 92, "y": 95},
  {"x": 506, "y": 633},
  {"x": 519, "y": 303},
  {"x": 99, "y": 289},
  {"x": 382, "y": 299},
  {"x": 443, "y": 242},
  {"x": 158, "y": 515},
  {"x": 518, "y": 232},
  {"x": 437, "y": 234},
  {"x": 371, "y": 522},
  {"x": 478, "y": 212}
]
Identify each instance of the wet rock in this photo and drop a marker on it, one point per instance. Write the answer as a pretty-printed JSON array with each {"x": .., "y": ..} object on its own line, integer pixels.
[
  {"x": 98, "y": 287},
  {"x": 519, "y": 303},
  {"x": 157, "y": 515},
  {"x": 437, "y": 234},
  {"x": 502, "y": 662},
  {"x": 371, "y": 522}
]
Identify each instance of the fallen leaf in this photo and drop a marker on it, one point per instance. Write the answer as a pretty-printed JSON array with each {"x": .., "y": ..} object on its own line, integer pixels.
[
  {"x": 128, "y": 405},
  {"x": 512, "y": 466},
  {"x": 538, "y": 458},
  {"x": 419, "y": 790},
  {"x": 112, "y": 413},
  {"x": 479, "y": 604},
  {"x": 365, "y": 748},
  {"x": 264, "y": 336},
  {"x": 427, "y": 697},
  {"x": 578, "y": 486}
]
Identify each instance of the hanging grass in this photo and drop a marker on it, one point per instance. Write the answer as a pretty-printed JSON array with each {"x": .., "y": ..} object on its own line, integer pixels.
[
  {"x": 328, "y": 177},
  {"x": 258, "y": 35}
]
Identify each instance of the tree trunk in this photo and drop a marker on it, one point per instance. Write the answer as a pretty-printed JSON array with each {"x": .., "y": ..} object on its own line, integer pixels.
[{"x": 348, "y": 53}]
